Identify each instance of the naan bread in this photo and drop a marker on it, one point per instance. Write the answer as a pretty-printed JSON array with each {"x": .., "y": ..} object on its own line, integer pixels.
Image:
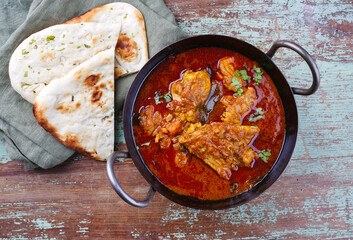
[
  {"x": 131, "y": 49},
  {"x": 78, "y": 109},
  {"x": 54, "y": 51}
]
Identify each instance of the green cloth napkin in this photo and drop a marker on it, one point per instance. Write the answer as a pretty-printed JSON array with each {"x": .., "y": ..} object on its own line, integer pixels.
[{"x": 20, "y": 134}]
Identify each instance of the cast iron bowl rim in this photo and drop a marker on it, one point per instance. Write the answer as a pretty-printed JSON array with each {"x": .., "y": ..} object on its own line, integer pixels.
[{"x": 286, "y": 95}]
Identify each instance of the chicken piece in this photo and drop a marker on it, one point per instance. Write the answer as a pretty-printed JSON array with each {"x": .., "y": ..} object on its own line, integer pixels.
[
  {"x": 221, "y": 145},
  {"x": 193, "y": 87},
  {"x": 237, "y": 107},
  {"x": 181, "y": 156},
  {"x": 228, "y": 72},
  {"x": 149, "y": 119},
  {"x": 189, "y": 95}
]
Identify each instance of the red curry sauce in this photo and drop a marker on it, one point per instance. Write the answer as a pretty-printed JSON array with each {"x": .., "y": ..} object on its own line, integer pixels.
[{"x": 196, "y": 179}]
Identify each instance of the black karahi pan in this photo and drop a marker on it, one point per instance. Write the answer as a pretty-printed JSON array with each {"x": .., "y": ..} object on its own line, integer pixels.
[{"x": 286, "y": 94}]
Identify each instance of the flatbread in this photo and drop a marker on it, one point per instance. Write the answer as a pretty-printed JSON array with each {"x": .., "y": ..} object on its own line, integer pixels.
[
  {"x": 54, "y": 51},
  {"x": 131, "y": 49},
  {"x": 78, "y": 109}
]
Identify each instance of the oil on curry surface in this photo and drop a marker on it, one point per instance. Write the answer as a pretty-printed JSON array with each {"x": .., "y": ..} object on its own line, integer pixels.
[{"x": 209, "y": 123}]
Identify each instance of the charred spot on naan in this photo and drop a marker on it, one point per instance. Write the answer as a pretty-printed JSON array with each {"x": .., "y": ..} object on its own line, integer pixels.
[
  {"x": 127, "y": 48},
  {"x": 68, "y": 107},
  {"x": 96, "y": 95},
  {"x": 91, "y": 80}
]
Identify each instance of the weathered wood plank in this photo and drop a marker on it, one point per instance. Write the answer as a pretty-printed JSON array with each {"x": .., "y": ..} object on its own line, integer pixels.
[{"x": 311, "y": 200}]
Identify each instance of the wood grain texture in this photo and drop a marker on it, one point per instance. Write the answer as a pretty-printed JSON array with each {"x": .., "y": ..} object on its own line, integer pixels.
[{"x": 313, "y": 199}]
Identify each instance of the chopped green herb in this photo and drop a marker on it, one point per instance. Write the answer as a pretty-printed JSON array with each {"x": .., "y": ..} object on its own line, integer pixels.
[
  {"x": 24, "y": 52},
  {"x": 61, "y": 49},
  {"x": 239, "y": 92},
  {"x": 64, "y": 35},
  {"x": 264, "y": 155},
  {"x": 254, "y": 118},
  {"x": 29, "y": 66},
  {"x": 257, "y": 115},
  {"x": 50, "y": 38},
  {"x": 216, "y": 99},
  {"x": 62, "y": 43},
  {"x": 71, "y": 42},
  {"x": 24, "y": 84},
  {"x": 235, "y": 82},
  {"x": 87, "y": 46},
  {"x": 79, "y": 47},
  {"x": 109, "y": 36},
  {"x": 132, "y": 35},
  {"x": 157, "y": 97},
  {"x": 125, "y": 16},
  {"x": 25, "y": 75},
  {"x": 246, "y": 66},
  {"x": 32, "y": 41},
  {"x": 254, "y": 127},
  {"x": 237, "y": 73},
  {"x": 259, "y": 111},
  {"x": 244, "y": 75},
  {"x": 258, "y": 77},
  {"x": 48, "y": 69},
  {"x": 145, "y": 144},
  {"x": 167, "y": 97}
]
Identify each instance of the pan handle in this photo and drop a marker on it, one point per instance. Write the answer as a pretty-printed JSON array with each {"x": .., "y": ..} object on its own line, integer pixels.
[
  {"x": 308, "y": 59},
  {"x": 117, "y": 186}
]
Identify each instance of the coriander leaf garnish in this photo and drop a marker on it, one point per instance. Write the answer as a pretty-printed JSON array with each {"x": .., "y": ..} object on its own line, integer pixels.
[
  {"x": 243, "y": 74},
  {"x": 145, "y": 144},
  {"x": 26, "y": 74},
  {"x": 257, "y": 115},
  {"x": 167, "y": 97},
  {"x": 235, "y": 82},
  {"x": 237, "y": 73},
  {"x": 259, "y": 111},
  {"x": 61, "y": 49},
  {"x": 157, "y": 97},
  {"x": 64, "y": 35},
  {"x": 239, "y": 92},
  {"x": 32, "y": 41},
  {"x": 258, "y": 77},
  {"x": 50, "y": 38},
  {"x": 24, "y": 52},
  {"x": 264, "y": 155},
  {"x": 87, "y": 46},
  {"x": 48, "y": 69}
]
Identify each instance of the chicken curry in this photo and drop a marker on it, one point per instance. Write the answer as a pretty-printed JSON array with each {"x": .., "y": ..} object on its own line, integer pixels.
[{"x": 209, "y": 123}]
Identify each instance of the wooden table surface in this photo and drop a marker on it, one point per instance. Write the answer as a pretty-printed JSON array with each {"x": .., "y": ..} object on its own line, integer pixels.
[{"x": 313, "y": 198}]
